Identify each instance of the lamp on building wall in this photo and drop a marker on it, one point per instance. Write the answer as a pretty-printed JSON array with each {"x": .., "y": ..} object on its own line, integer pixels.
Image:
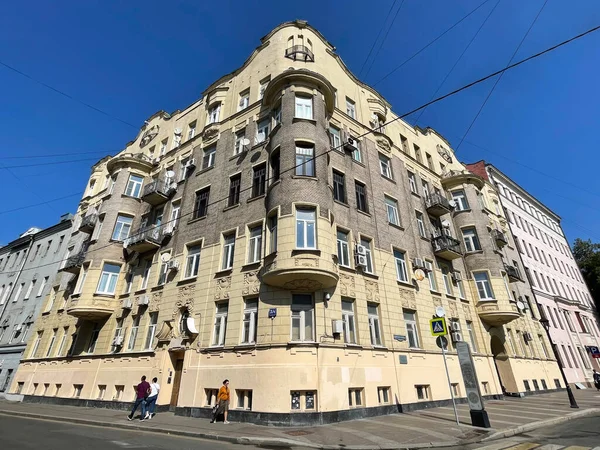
[{"x": 546, "y": 324}]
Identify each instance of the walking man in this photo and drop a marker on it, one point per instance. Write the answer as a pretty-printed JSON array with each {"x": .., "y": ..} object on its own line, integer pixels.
[
  {"x": 597, "y": 379},
  {"x": 151, "y": 401},
  {"x": 142, "y": 390},
  {"x": 222, "y": 403}
]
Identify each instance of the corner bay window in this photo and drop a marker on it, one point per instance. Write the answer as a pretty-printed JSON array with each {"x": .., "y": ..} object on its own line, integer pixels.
[
  {"x": 134, "y": 186},
  {"x": 108, "y": 279},
  {"x": 122, "y": 228},
  {"x": 304, "y": 107},
  {"x": 484, "y": 288},
  {"x": 201, "y": 203},
  {"x": 306, "y": 228},
  {"x": 302, "y": 318},
  {"x": 305, "y": 162},
  {"x": 471, "y": 240}
]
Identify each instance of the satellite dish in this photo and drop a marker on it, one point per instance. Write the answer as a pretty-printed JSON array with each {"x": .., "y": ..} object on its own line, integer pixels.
[
  {"x": 177, "y": 131},
  {"x": 165, "y": 257},
  {"x": 520, "y": 305},
  {"x": 245, "y": 141},
  {"x": 419, "y": 274},
  {"x": 170, "y": 174},
  {"x": 440, "y": 311},
  {"x": 445, "y": 223}
]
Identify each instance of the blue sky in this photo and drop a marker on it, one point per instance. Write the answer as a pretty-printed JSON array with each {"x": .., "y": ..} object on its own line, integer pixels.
[{"x": 131, "y": 59}]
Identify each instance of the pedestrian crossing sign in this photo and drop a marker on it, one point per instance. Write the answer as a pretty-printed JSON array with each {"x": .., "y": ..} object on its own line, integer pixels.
[{"x": 438, "y": 326}]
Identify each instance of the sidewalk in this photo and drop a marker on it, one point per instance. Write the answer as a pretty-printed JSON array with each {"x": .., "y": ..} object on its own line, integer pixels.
[{"x": 434, "y": 427}]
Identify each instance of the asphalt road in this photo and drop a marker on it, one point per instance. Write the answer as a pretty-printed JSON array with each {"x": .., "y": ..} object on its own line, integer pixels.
[{"x": 18, "y": 433}]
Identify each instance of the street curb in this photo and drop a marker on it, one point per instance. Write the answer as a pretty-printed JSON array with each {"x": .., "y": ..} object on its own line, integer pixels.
[{"x": 542, "y": 423}]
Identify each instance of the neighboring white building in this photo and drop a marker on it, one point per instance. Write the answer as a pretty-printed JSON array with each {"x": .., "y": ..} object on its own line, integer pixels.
[{"x": 556, "y": 280}]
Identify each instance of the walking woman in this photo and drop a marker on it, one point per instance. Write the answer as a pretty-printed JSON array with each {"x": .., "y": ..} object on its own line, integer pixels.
[{"x": 222, "y": 403}]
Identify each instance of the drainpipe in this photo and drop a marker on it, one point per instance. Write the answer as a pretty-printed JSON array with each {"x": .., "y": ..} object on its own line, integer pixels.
[{"x": 17, "y": 277}]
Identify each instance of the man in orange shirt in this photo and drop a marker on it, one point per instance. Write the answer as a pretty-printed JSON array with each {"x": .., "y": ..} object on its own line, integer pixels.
[{"x": 222, "y": 402}]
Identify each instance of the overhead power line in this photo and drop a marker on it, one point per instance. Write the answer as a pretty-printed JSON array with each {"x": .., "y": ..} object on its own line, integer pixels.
[
  {"x": 64, "y": 94},
  {"x": 439, "y": 99},
  {"x": 52, "y": 155},
  {"x": 41, "y": 203},
  {"x": 377, "y": 38},
  {"x": 51, "y": 163}
]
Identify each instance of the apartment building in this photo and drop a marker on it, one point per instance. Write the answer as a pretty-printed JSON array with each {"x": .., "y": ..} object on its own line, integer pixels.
[
  {"x": 289, "y": 232},
  {"x": 28, "y": 267},
  {"x": 557, "y": 283}
]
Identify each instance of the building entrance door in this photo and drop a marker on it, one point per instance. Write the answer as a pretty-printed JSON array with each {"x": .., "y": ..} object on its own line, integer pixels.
[
  {"x": 178, "y": 364},
  {"x": 503, "y": 367}
]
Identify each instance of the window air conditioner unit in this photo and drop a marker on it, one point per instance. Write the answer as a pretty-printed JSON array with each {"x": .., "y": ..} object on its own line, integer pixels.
[
  {"x": 455, "y": 326},
  {"x": 127, "y": 303},
  {"x": 173, "y": 264},
  {"x": 191, "y": 164},
  {"x": 337, "y": 326},
  {"x": 456, "y": 276},
  {"x": 118, "y": 341},
  {"x": 361, "y": 260},
  {"x": 361, "y": 249},
  {"x": 418, "y": 263},
  {"x": 350, "y": 143},
  {"x": 143, "y": 300},
  {"x": 456, "y": 337}
]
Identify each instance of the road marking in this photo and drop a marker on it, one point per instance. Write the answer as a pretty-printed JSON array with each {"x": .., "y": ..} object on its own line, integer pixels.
[
  {"x": 577, "y": 447},
  {"x": 496, "y": 446},
  {"x": 550, "y": 447},
  {"x": 524, "y": 446}
]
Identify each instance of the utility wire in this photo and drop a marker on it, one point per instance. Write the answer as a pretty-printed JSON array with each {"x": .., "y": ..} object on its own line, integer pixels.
[
  {"x": 449, "y": 94},
  {"x": 52, "y": 155},
  {"x": 459, "y": 58},
  {"x": 64, "y": 94},
  {"x": 500, "y": 77},
  {"x": 430, "y": 44},
  {"x": 51, "y": 163},
  {"x": 377, "y": 38},
  {"x": 42, "y": 203},
  {"x": 384, "y": 39}
]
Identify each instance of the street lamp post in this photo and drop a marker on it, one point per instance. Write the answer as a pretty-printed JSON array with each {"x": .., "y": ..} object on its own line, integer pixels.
[{"x": 546, "y": 324}]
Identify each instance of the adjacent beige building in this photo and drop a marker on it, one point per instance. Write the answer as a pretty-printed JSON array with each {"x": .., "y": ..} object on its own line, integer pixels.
[{"x": 284, "y": 233}]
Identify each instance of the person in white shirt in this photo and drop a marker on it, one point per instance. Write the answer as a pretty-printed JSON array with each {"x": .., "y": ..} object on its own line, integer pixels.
[{"x": 151, "y": 400}]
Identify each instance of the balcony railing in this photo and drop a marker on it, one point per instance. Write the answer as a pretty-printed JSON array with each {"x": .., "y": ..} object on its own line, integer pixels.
[
  {"x": 147, "y": 238},
  {"x": 437, "y": 205},
  {"x": 499, "y": 238},
  {"x": 513, "y": 273},
  {"x": 158, "y": 191},
  {"x": 299, "y": 52},
  {"x": 88, "y": 223},
  {"x": 446, "y": 247},
  {"x": 73, "y": 263}
]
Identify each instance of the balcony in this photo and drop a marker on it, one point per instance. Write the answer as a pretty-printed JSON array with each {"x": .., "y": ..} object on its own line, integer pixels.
[
  {"x": 158, "y": 191},
  {"x": 437, "y": 205},
  {"x": 497, "y": 312},
  {"x": 513, "y": 274},
  {"x": 500, "y": 238},
  {"x": 453, "y": 178},
  {"x": 145, "y": 239},
  {"x": 91, "y": 307},
  {"x": 446, "y": 247},
  {"x": 88, "y": 223},
  {"x": 300, "y": 52},
  {"x": 303, "y": 273},
  {"x": 73, "y": 263}
]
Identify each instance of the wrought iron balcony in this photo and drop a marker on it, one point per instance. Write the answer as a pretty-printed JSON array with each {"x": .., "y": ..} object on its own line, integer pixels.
[
  {"x": 158, "y": 191},
  {"x": 446, "y": 247},
  {"x": 499, "y": 238},
  {"x": 89, "y": 223},
  {"x": 73, "y": 263},
  {"x": 437, "y": 205},
  {"x": 145, "y": 239},
  {"x": 513, "y": 273},
  {"x": 300, "y": 52}
]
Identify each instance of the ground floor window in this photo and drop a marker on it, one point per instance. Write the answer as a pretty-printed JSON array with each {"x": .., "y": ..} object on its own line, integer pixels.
[
  {"x": 544, "y": 385},
  {"x": 422, "y": 392},
  {"x": 456, "y": 389},
  {"x": 355, "y": 397},
  {"x": 526, "y": 384},
  {"x": 101, "y": 391},
  {"x": 77, "y": 388},
  {"x": 244, "y": 398},
  {"x": 383, "y": 395},
  {"x": 303, "y": 400},
  {"x": 486, "y": 387},
  {"x": 119, "y": 389},
  {"x": 211, "y": 396},
  {"x": 557, "y": 383},
  {"x": 536, "y": 386}
]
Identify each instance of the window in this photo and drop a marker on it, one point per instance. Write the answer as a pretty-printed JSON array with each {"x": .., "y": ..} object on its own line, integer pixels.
[
  {"x": 430, "y": 275},
  {"x": 275, "y": 166},
  {"x": 213, "y": 113},
  {"x": 343, "y": 250},
  {"x": 401, "y": 273},
  {"x": 306, "y": 233},
  {"x": 484, "y": 288},
  {"x": 192, "y": 262},
  {"x": 411, "y": 328},
  {"x": 339, "y": 187},
  {"x": 472, "y": 336},
  {"x": 163, "y": 270},
  {"x": 134, "y": 186},
  {"x": 412, "y": 182},
  {"x": 116, "y": 345},
  {"x": 6, "y": 293},
  {"x": 366, "y": 243},
  {"x": 348, "y": 320},
  {"x": 429, "y": 161},
  {"x": 350, "y": 108},
  {"x": 191, "y": 130},
  {"x": 305, "y": 163},
  {"x": 18, "y": 293},
  {"x": 356, "y": 154},
  {"x": 228, "y": 251},
  {"x": 259, "y": 180},
  {"x": 385, "y": 166},
  {"x": 211, "y": 396},
  {"x": 208, "y": 158},
  {"x": 361, "y": 196},
  {"x": 163, "y": 146},
  {"x": 309, "y": 399},
  {"x": 355, "y": 397},
  {"x": 244, "y": 100},
  {"x": 420, "y": 224},
  {"x": 383, "y": 395},
  {"x": 302, "y": 318},
  {"x": 262, "y": 130},
  {"x": 201, "y": 203},
  {"x": 584, "y": 358},
  {"x": 134, "y": 332},
  {"x": 63, "y": 341},
  {"x": 108, "y": 279},
  {"x": 304, "y": 107},
  {"x": 422, "y": 392},
  {"x": 273, "y": 234},
  {"x": 153, "y": 320},
  {"x": 425, "y": 187},
  {"x": 335, "y": 138},
  {"x": 36, "y": 344},
  {"x": 255, "y": 244},
  {"x": 145, "y": 274},
  {"x": 51, "y": 345},
  {"x": 234, "y": 190},
  {"x": 122, "y": 228},
  {"x": 220, "y": 324},
  {"x": 94, "y": 338},
  {"x": 460, "y": 199},
  {"x": 249, "y": 324},
  {"x": 77, "y": 388},
  {"x": 42, "y": 286},
  {"x": 175, "y": 213},
  {"x": 418, "y": 155},
  {"x": 374, "y": 329},
  {"x": 471, "y": 240},
  {"x": 244, "y": 399},
  {"x": 447, "y": 281},
  {"x": 404, "y": 144},
  {"x": 392, "y": 211}
]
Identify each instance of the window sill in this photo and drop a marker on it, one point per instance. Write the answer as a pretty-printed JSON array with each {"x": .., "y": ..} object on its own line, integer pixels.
[
  {"x": 305, "y": 177},
  {"x": 231, "y": 207},
  {"x": 139, "y": 291},
  {"x": 379, "y": 347},
  {"x": 405, "y": 283},
  {"x": 253, "y": 199},
  {"x": 338, "y": 202},
  {"x": 77, "y": 295},
  {"x": 206, "y": 169},
  {"x": 388, "y": 178},
  {"x": 310, "y": 251},
  {"x": 303, "y": 343},
  {"x": 131, "y": 197},
  {"x": 396, "y": 226},
  {"x": 251, "y": 266},
  {"x": 158, "y": 287},
  {"x": 303, "y": 119},
  {"x": 416, "y": 194},
  {"x": 451, "y": 296},
  {"x": 366, "y": 213},
  {"x": 347, "y": 268},
  {"x": 360, "y": 163},
  {"x": 458, "y": 211},
  {"x": 224, "y": 272},
  {"x": 424, "y": 238},
  {"x": 353, "y": 346},
  {"x": 197, "y": 219},
  {"x": 371, "y": 275},
  {"x": 435, "y": 292},
  {"x": 417, "y": 350},
  {"x": 187, "y": 280},
  {"x": 99, "y": 294},
  {"x": 46, "y": 313},
  {"x": 474, "y": 252}
]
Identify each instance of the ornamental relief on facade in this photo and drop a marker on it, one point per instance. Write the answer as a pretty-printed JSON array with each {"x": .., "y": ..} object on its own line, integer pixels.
[
  {"x": 307, "y": 262},
  {"x": 372, "y": 289},
  {"x": 489, "y": 307},
  {"x": 452, "y": 308},
  {"x": 223, "y": 286},
  {"x": 303, "y": 284},
  {"x": 347, "y": 287},
  {"x": 467, "y": 312},
  {"x": 407, "y": 298},
  {"x": 183, "y": 304},
  {"x": 437, "y": 301},
  {"x": 251, "y": 283}
]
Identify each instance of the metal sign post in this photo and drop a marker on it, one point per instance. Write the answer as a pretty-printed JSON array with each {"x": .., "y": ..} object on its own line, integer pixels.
[
  {"x": 444, "y": 345},
  {"x": 438, "y": 328}
]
